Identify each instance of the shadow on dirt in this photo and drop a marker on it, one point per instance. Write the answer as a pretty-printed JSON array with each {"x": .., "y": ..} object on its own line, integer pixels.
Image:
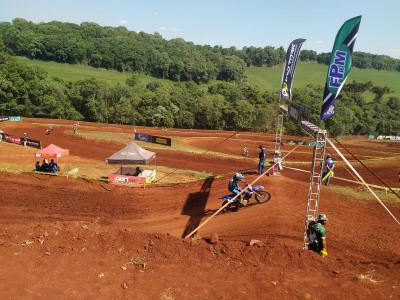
[{"x": 195, "y": 206}]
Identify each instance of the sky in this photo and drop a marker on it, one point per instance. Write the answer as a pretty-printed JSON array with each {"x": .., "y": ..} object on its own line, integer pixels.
[{"x": 236, "y": 23}]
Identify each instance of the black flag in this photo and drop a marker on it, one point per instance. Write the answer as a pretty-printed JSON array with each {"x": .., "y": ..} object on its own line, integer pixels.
[{"x": 292, "y": 55}]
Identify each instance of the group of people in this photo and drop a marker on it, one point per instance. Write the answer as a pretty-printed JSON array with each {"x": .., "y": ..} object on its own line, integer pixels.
[{"x": 47, "y": 167}]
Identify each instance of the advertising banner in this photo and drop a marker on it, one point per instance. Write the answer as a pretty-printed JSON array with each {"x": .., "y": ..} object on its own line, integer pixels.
[
  {"x": 339, "y": 65},
  {"x": 126, "y": 180},
  {"x": 3, "y": 118},
  {"x": 292, "y": 55},
  {"x": 31, "y": 143},
  {"x": 14, "y": 140},
  {"x": 161, "y": 140},
  {"x": 15, "y": 118},
  {"x": 299, "y": 112},
  {"x": 153, "y": 139},
  {"x": 143, "y": 137},
  {"x": 388, "y": 137}
]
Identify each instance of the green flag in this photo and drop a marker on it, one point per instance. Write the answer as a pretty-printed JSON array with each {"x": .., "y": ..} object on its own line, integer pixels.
[{"x": 339, "y": 65}]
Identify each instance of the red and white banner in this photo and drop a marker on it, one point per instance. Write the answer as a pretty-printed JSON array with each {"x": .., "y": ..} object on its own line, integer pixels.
[{"x": 126, "y": 180}]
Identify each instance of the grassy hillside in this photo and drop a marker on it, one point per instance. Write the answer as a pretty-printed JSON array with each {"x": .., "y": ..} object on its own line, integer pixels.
[
  {"x": 265, "y": 78},
  {"x": 70, "y": 72},
  {"x": 306, "y": 73}
]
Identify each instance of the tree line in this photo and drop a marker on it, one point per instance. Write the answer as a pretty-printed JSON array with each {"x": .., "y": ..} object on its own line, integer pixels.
[
  {"x": 120, "y": 49},
  {"x": 29, "y": 91},
  {"x": 123, "y": 50}
]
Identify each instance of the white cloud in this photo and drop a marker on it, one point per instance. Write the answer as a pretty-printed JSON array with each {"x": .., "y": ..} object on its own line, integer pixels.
[
  {"x": 166, "y": 28},
  {"x": 123, "y": 22}
]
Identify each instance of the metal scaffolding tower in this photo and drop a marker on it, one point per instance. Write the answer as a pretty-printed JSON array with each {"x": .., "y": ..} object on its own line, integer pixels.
[{"x": 317, "y": 163}]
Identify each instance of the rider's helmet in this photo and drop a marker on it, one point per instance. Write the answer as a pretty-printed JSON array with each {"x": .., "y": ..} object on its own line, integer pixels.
[
  {"x": 239, "y": 176},
  {"x": 322, "y": 218},
  {"x": 329, "y": 156}
]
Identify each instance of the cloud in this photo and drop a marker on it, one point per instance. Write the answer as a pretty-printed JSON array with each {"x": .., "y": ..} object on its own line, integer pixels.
[
  {"x": 166, "y": 28},
  {"x": 394, "y": 49},
  {"x": 123, "y": 22}
]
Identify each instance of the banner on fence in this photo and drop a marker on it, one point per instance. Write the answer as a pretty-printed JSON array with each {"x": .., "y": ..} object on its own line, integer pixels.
[
  {"x": 30, "y": 143},
  {"x": 153, "y": 139},
  {"x": 388, "y": 137},
  {"x": 15, "y": 118}
]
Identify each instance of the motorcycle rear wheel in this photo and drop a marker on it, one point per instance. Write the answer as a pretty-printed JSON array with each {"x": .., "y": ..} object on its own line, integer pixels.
[{"x": 229, "y": 207}]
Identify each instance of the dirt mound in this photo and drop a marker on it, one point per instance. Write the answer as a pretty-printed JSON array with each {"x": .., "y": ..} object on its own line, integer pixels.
[{"x": 72, "y": 238}]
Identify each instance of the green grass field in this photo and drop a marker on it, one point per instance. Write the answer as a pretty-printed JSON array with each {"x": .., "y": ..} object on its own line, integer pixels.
[
  {"x": 263, "y": 77},
  {"x": 70, "y": 72},
  {"x": 313, "y": 73}
]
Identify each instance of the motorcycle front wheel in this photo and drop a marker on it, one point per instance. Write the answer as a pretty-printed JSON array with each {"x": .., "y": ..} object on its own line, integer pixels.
[{"x": 262, "y": 196}]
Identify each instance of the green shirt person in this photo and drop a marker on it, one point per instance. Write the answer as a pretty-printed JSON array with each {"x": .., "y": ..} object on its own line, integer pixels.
[{"x": 317, "y": 235}]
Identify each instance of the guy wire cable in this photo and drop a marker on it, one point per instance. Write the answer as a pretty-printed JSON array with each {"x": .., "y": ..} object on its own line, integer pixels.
[
  {"x": 344, "y": 166},
  {"x": 202, "y": 153},
  {"x": 368, "y": 169}
]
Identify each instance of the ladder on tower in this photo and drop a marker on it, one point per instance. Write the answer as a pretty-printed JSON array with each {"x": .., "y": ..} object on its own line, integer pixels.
[
  {"x": 315, "y": 174},
  {"x": 278, "y": 136}
]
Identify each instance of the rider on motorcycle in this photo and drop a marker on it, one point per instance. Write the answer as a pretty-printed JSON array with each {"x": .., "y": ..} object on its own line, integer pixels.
[{"x": 234, "y": 188}]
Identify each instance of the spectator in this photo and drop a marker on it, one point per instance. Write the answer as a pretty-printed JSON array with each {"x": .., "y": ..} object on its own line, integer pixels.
[
  {"x": 261, "y": 155},
  {"x": 24, "y": 139},
  {"x": 53, "y": 166},
  {"x": 45, "y": 166},
  {"x": 245, "y": 151},
  {"x": 138, "y": 171},
  {"x": 37, "y": 166}
]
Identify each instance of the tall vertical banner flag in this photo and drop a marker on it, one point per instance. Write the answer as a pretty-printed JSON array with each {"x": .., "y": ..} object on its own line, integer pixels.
[
  {"x": 291, "y": 58},
  {"x": 339, "y": 65}
]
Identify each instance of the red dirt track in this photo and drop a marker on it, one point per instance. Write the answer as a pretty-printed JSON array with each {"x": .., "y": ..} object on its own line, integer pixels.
[{"x": 70, "y": 238}]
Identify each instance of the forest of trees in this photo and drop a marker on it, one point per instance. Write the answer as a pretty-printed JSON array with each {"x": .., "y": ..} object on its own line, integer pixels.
[
  {"x": 123, "y": 50},
  {"x": 30, "y": 92}
]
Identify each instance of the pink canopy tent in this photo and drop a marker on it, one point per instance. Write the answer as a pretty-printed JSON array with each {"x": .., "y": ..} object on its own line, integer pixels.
[{"x": 52, "y": 151}]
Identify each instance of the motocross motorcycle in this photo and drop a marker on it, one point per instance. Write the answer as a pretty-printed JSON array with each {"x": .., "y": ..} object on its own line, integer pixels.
[{"x": 257, "y": 193}]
